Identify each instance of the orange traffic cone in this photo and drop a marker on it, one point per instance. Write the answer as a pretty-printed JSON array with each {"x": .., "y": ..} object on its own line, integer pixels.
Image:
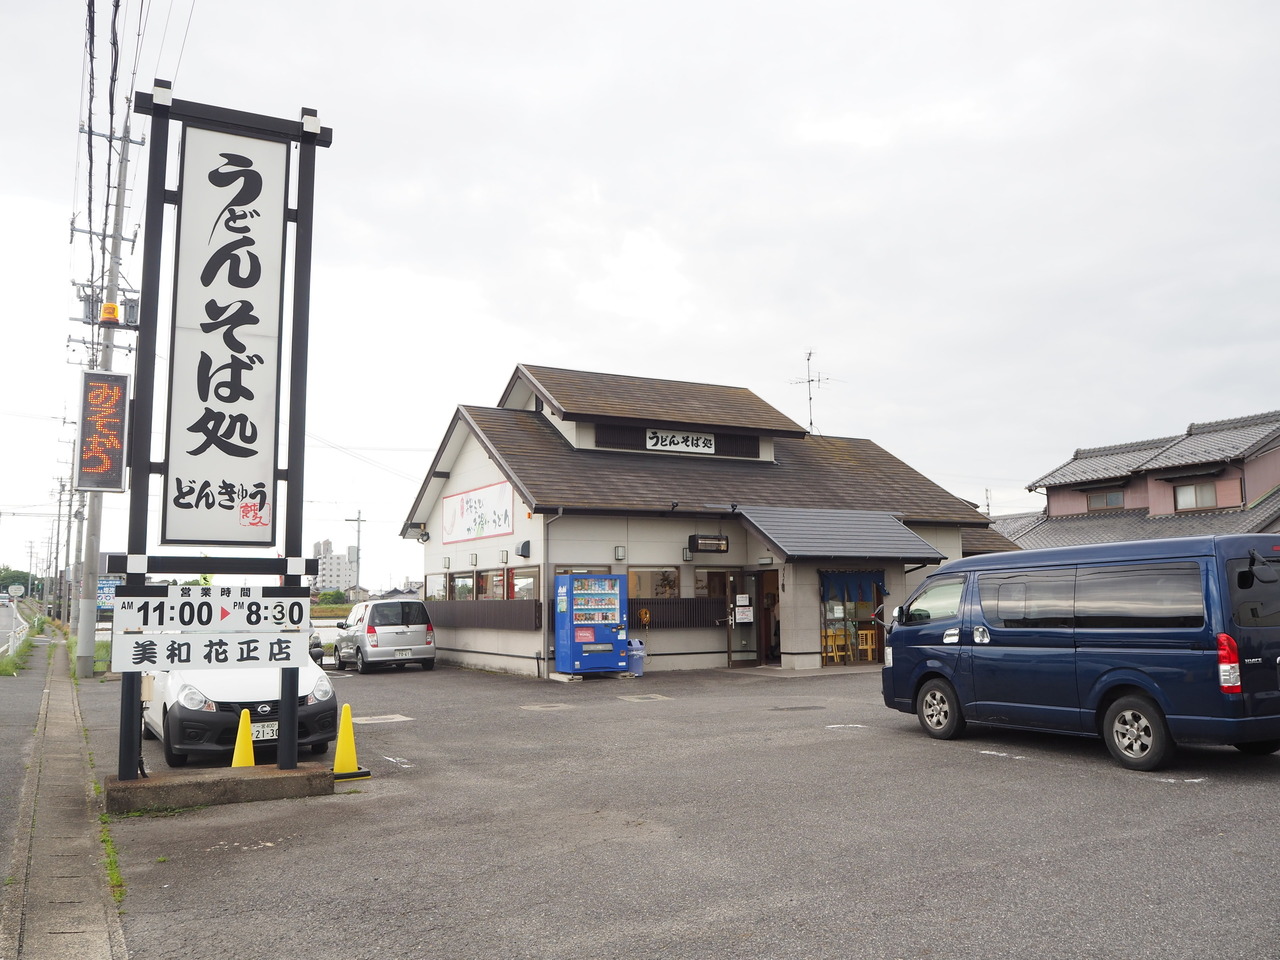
[
  {"x": 243, "y": 757},
  {"x": 344, "y": 757}
]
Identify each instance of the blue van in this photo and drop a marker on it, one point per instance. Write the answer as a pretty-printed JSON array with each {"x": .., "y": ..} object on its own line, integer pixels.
[{"x": 1145, "y": 644}]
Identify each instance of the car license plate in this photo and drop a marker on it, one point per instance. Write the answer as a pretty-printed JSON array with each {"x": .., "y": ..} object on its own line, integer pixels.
[
  {"x": 265, "y": 731},
  {"x": 404, "y": 653}
]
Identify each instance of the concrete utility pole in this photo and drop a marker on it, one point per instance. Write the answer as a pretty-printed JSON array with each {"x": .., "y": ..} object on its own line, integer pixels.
[
  {"x": 92, "y": 547},
  {"x": 358, "y": 522}
]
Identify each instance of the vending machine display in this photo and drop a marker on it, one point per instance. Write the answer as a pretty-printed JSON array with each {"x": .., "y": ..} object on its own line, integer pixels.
[{"x": 591, "y": 623}]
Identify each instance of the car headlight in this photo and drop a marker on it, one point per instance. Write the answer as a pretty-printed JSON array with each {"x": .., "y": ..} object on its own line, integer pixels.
[
  {"x": 193, "y": 699},
  {"x": 322, "y": 691}
]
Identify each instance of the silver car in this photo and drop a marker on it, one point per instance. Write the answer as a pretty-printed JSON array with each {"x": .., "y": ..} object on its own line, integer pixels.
[{"x": 385, "y": 632}]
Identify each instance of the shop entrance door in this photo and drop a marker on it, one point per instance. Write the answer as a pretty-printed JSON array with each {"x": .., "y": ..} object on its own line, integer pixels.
[
  {"x": 744, "y": 647},
  {"x": 768, "y": 634}
]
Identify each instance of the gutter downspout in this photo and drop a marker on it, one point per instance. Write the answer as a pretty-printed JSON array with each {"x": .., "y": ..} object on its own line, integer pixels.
[{"x": 549, "y": 620}]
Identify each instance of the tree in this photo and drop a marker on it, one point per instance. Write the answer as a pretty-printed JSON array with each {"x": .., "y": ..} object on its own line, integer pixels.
[
  {"x": 331, "y": 597},
  {"x": 9, "y": 576}
]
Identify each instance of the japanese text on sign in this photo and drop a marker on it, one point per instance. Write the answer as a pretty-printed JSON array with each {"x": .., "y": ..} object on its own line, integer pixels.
[
  {"x": 225, "y": 365},
  {"x": 187, "y": 627},
  {"x": 104, "y": 403},
  {"x": 655, "y": 439}
]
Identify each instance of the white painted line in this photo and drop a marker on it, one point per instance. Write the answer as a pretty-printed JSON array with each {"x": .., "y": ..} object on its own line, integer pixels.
[
  {"x": 387, "y": 718},
  {"x": 546, "y": 706}
]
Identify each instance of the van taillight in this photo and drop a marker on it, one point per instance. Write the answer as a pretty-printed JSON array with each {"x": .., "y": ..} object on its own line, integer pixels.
[
  {"x": 1228, "y": 664},
  {"x": 431, "y": 634},
  {"x": 371, "y": 633}
]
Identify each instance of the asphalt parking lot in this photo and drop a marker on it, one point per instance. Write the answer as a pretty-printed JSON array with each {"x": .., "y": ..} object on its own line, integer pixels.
[{"x": 706, "y": 814}]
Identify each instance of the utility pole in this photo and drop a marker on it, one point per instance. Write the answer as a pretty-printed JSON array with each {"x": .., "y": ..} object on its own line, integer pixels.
[
  {"x": 76, "y": 568},
  {"x": 92, "y": 547},
  {"x": 358, "y": 522}
]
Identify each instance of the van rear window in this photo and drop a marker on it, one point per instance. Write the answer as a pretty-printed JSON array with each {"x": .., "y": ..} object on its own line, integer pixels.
[
  {"x": 1253, "y": 602},
  {"x": 1140, "y": 596}
]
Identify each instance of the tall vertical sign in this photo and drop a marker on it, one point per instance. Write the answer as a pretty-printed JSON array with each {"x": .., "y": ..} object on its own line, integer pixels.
[
  {"x": 224, "y": 365},
  {"x": 225, "y": 411}
]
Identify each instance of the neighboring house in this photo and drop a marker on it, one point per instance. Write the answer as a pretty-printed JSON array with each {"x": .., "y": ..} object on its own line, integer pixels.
[
  {"x": 596, "y": 473},
  {"x": 1220, "y": 477},
  {"x": 400, "y": 593}
]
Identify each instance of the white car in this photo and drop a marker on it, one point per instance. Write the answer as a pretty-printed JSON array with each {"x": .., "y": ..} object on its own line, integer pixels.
[{"x": 197, "y": 712}]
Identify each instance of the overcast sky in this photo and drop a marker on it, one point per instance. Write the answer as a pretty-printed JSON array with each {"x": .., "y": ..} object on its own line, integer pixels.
[{"x": 1004, "y": 230}]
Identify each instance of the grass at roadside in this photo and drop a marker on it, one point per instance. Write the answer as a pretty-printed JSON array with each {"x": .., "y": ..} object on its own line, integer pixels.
[
  {"x": 10, "y": 664},
  {"x": 330, "y": 611}
]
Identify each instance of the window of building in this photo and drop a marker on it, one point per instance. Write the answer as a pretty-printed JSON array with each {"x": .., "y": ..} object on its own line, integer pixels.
[
  {"x": 714, "y": 582},
  {"x": 651, "y": 582},
  {"x": 435, "y": 587},
  {"x": 563, "y": 571},
  {"x": 491, "y": 584},
  {"x": 1108, "y": 500},
  {"x": 462, "y": 586},
  {"x": 1195, "y": 496},
  {"x": 523, "y": 583}
]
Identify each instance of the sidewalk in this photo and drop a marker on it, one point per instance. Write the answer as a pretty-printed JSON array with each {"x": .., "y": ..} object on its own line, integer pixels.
[{"x": 58, "y": 906}]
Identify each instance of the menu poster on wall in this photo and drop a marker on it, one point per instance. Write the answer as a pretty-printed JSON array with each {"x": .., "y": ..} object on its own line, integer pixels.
[{"x": 477, "y": 514}]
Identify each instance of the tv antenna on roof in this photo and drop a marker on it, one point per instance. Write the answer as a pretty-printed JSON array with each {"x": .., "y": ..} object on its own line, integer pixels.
[{"x": 810, "y": 381}]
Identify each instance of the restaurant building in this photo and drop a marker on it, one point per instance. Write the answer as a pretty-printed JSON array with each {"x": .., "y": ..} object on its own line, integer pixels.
[{"x": 745, "y": 540}]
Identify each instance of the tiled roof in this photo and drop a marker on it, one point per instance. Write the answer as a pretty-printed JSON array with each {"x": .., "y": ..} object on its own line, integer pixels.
[
  {"x": 974, "y": 540},
  {"x": 812, "y": 534},
  {"x": 1203, "y": 443},
  {"x": 1102, "y": 463},
  {"x": 1216, "y": 442},
  {"x": 580, "y": 395},
  {"x": 820, "y": 473},
  {"x": 1110, "y": 526}
]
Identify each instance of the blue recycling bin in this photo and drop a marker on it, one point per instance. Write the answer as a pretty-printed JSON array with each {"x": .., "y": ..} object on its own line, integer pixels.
[{"x": 635, "y": 657}]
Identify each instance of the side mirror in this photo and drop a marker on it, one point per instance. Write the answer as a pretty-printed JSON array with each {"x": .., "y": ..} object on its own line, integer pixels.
[{"x": 341, "y": 625}]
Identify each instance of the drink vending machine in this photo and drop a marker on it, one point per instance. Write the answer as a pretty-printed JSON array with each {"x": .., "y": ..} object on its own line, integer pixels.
[{"x": 591, "y": 623}]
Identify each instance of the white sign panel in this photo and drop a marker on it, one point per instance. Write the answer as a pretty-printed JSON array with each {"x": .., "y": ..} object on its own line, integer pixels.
[
  {"x": 476, "y": 514},
  {"x": 224, "y": 367},
  {"x": 159, "y": 628},
  {"x": 681, "y": 442}
]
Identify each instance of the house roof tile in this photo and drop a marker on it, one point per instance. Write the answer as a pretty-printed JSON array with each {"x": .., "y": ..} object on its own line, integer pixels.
[
  {"x": 1111, "y": 526},
  {"x": 798, "y": 533},
  {"x": 604, "y": 397},
  {"x": 821, "y": 473}
]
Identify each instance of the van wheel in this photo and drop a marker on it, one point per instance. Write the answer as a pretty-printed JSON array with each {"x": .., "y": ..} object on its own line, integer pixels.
[
  {"x": 1137, "y": 734},
  {"x": 428, "y": 664},
  {"x": 938, "y": 710},
  {"x": 361, "y": 665},
  {"x": 318, "y": 749},
  {"x": 1258, "y": 748},
  {"x": 337, "y": 659}
]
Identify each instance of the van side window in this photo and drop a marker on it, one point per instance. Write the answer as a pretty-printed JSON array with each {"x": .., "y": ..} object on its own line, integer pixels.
[
  {"x": 1138, "y": 596},
  {"x": 1254, "y": 603},
  {"x": 938, "y": 601},
  {"x": 1028, "y": 600}
]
